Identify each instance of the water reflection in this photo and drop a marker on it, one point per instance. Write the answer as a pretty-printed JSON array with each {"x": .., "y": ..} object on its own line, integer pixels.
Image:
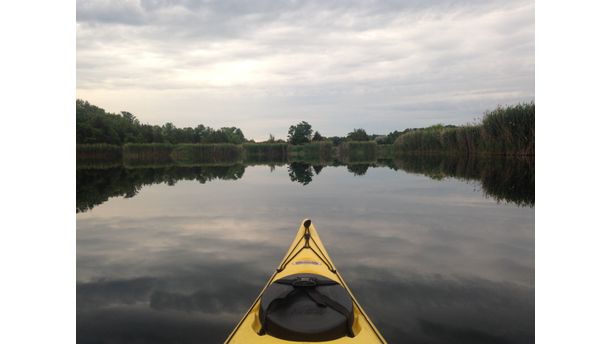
[
  {"x": 301, "y": 172},
  {"x": 359, "y": 169},
  {"x": 96, "y": 186},
  {"x": 430, "y": 260},
  {"x": 504, "y": 179}
]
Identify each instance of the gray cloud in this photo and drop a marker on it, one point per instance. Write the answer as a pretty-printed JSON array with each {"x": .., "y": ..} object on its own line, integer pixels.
[{"x": 263, "y": 65}]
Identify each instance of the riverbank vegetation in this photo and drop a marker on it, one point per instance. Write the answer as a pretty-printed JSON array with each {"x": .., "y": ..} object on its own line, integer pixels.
[
  {"x": 318, "y": 151},
  {"x": 163, "y": 153},
  {"x": 265, "y": 152},
  {"x": 357, "y": 151},
  {"x": 504, "y": 131},
  {"x": 111, "y": 138},
  {"x": 146, "y": 153},
  {"x": 99, "y": 153},
  {"x": 206, "y": 153},
  {"x": 95, "y": 125}
]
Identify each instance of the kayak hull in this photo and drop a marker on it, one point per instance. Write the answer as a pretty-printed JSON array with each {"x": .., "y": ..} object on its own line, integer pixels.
[{"x": 306, "y": 255}]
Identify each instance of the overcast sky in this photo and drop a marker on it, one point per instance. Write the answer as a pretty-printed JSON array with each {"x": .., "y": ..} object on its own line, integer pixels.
[{"x": 263, "y": 65}]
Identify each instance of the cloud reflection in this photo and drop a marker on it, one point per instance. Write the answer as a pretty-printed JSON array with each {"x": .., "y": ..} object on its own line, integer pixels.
[{"x": 430, "y": 261}]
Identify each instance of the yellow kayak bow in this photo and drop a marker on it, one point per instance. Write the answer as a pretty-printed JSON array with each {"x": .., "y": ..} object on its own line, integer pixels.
[{"x": 306, "y": 300}]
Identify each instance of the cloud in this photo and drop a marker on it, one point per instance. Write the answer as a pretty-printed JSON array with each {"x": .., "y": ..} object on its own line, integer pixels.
[{"x": 339, "y": 64}]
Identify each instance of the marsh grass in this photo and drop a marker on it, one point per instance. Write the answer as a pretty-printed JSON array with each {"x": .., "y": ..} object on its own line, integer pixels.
[
  {"x": 166, "y": 154},
  {"x": 264, "y": 152},
  {"x": 503, "y": 131},
  {"x": 206, "y": 153},
  {"x": 147, "y": 153},
  {"x": 314, "y": 152},
  {"x": 385, "y": 151},
  {"x": 98, "y": 153},
  {"x": 510, "y": 129},
  {"x": 98, "y": 164},
  {"x": 357, "y": 152}
]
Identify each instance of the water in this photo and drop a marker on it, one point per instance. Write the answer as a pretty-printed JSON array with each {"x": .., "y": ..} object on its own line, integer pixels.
[{"x": 432, "y": 258}]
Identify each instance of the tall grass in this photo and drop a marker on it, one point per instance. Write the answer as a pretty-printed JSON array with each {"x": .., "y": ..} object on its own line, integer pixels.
[
  {"x": 265, "y": 152},
  {"x": 503, "y": 131},
  {"x": 314, "y": 152},
  {"x": 166, "y": 154},
  {"x": 357, "y": 151},
  {"x": 384, "y": 151},
  {"x": 98, "y": 153},
  {"x": 206, "y": 153},
  {"x": 147, "y": 153},
  {"x": 510, "y": 129}
]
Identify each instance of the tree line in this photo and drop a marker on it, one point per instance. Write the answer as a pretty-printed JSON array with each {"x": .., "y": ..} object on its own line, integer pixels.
[
  {"x": 95, "y": 125},
  {"x": 509, "y": 129}
]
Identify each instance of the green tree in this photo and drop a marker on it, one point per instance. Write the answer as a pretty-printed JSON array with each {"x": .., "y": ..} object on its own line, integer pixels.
[
  {"x": 317, "y": 136},
  {"x": 358, "y": 135},
  {"x": 233, "y": 135},
  {"x": 95, "y": 125},
  {"x": 129, "y": 117},
  {"x": 300, "y": 133},
  {"x": 169, "y": 132},
  {"x": 336, "y": 140}
]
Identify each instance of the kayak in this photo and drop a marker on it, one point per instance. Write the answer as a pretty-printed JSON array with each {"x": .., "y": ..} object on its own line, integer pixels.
[{"x": 306, "y": 300}]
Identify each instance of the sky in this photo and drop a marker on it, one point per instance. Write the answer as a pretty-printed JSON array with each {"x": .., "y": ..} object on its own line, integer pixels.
[{"x": 263, "y": 65}]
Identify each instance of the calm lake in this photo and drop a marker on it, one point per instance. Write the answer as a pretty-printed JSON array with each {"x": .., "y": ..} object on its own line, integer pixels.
[{"x": 435, "y": 251}]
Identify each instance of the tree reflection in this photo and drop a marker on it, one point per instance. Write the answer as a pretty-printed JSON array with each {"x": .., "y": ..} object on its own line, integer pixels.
[
  {"x": 96, "y": 186},
  {"x": 505, "y": 179},
  {"x": 358, "y": 169},
  {"x": 317, "y": 168},
  {"x": 301, "y": 172}
]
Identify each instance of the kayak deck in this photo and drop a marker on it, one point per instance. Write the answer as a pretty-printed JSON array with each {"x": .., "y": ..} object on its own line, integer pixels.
[{"x": 306, "y": 255}]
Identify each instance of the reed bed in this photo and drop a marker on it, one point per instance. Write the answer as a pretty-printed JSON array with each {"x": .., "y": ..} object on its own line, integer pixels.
[
  {"x": 207, "y": 153},
  {"x": 384, "y": 151},
  {"x": 147, "y": 153},
  {"x": 314, "y": 152},
  {"x": 503, "y": 131},
  {"x": 357, "y": 151},
  {"x": 98, "y": 153},
  {"x": 265, "y": 152},
  {"x": 97, "y": 164},
  {"x": 166, "y": 154},
  {"x": 510, "y": 129}
]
